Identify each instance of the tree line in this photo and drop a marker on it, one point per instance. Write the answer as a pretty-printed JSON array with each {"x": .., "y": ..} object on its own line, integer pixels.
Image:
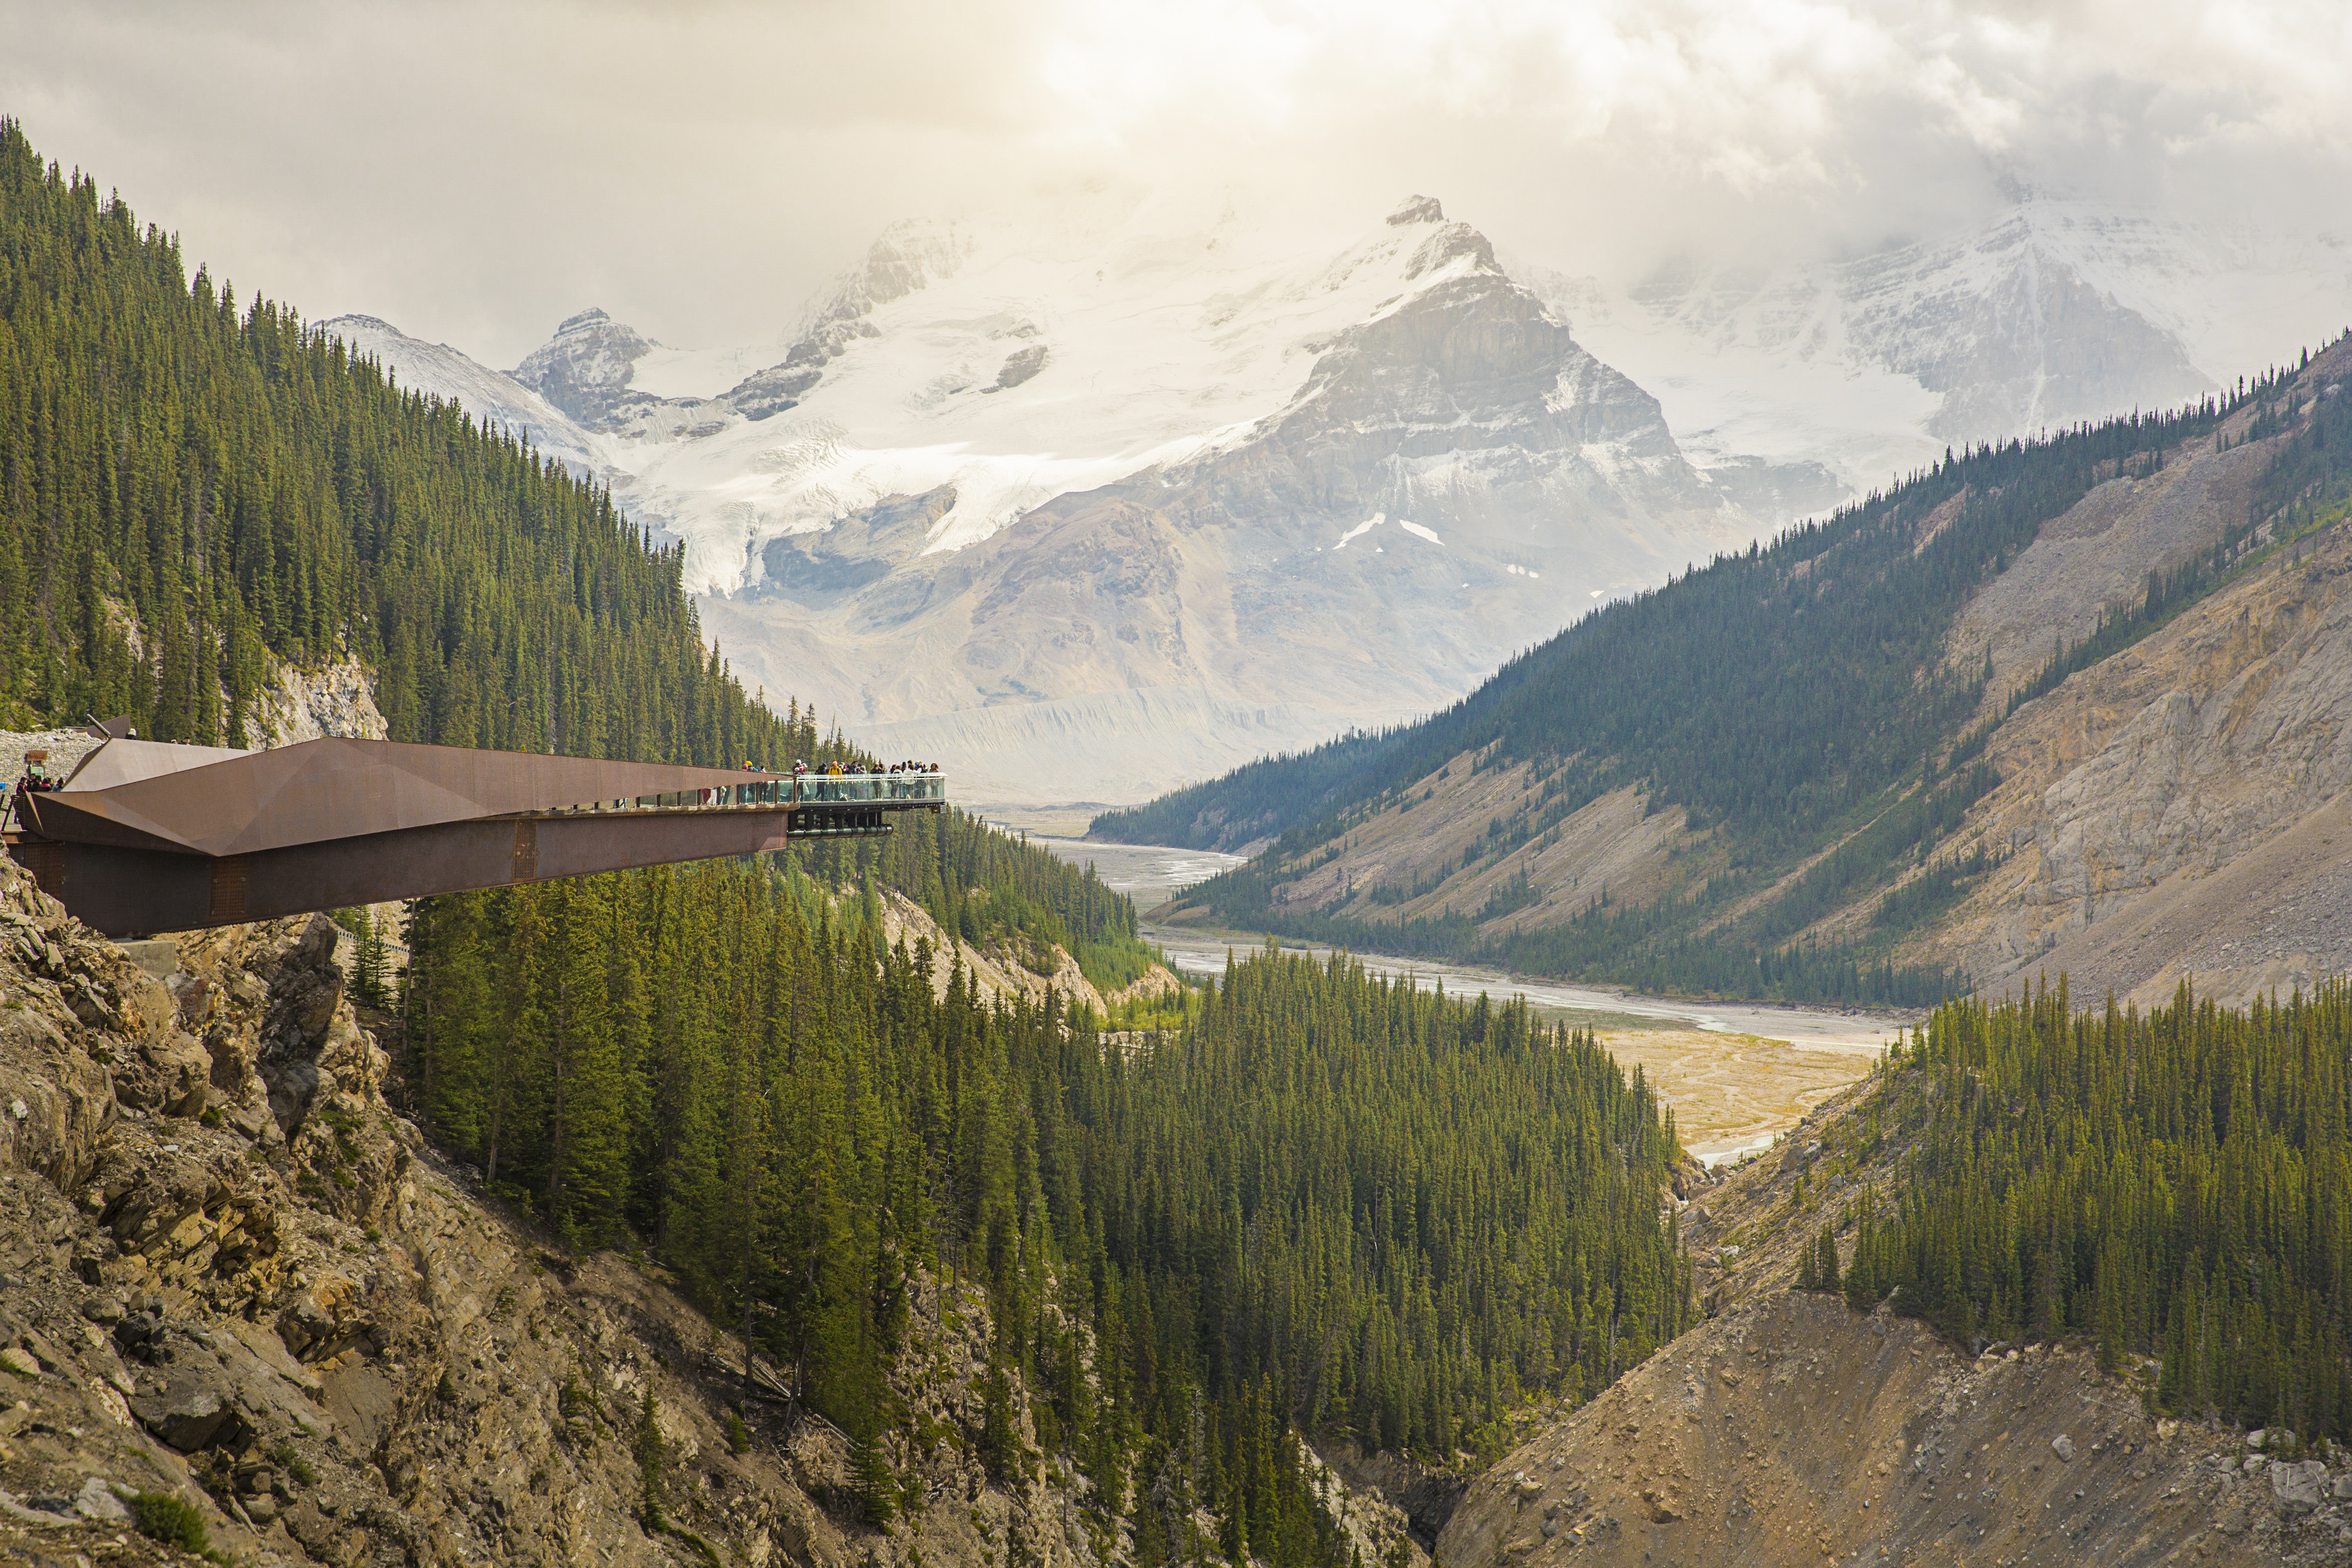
[
  {"x": 193, "y": 491},
  {"x": 1327, "y": 1206},
  {"x": 2174, "y": 1186}
]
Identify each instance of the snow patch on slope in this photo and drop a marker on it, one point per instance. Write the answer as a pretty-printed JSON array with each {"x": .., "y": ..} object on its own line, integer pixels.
[
  {"x": 1161, "y": 346},
  {"x": 492, "y": 398},
  {"x": 2053, "y": 311}
]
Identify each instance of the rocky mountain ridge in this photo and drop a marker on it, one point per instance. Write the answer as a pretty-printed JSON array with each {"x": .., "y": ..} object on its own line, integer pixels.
[
  {"x": 2048, "y": 312},
  {"x": 2173, "y": 810},
  {"x": 1165, "y": 483}
]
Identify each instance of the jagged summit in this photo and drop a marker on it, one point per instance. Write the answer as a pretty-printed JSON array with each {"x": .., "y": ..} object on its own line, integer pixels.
[
  {"x": 586, "y": 368},
  {"x": 2049, "y": 312},
  {"x": 1155, "y": 474}
]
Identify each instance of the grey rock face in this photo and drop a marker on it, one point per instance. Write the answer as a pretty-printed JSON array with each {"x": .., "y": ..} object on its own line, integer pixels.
[
  {"x": 2012, "y": 336},
  {"x": 190, "y": 1413},
  {"x": 97, "y": 1501},
  {"x": 1020, "y": 366},
  {"x": 2300, "y": 1486},
  {"x": 1366, "y": 551},
  {"x": 766, "y": 393},
  {"x": 584, "y": 369},
  {"x": 2010, "y": 325}
]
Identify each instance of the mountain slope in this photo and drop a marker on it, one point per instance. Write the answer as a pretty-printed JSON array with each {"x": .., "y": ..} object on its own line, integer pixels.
[
  {"x": 194, "y": 494},
  {"x": 239, "y": 1276},
  {"x": 499, "y": 403},
  {"x": 1815, "y": 769},
  {"x": 2063, "y": 1425}
]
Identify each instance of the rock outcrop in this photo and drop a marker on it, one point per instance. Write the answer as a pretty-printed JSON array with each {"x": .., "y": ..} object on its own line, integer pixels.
[
  {"x": 1788, "y": 1429},
  {"x": 232, "y": 1271}
]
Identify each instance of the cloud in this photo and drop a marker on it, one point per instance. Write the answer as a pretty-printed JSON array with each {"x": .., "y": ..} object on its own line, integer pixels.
[{"x": 473, "y": 173}]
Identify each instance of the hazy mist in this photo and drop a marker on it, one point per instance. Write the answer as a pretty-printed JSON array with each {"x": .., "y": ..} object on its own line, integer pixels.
[{"x": 473, "y": 173}]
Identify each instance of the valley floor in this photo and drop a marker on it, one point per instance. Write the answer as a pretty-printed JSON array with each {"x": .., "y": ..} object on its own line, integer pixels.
[{"x": 1737, "y": 1075}]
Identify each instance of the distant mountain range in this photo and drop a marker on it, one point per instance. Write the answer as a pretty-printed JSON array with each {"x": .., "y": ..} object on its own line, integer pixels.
[
  {"x": 1092, "y": 508},
  {"x": 2052, "y": 313}
]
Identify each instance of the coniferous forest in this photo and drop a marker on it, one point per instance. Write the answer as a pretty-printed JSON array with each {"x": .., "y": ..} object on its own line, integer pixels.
[
  {"x": 2175, "y": 1186},
  {"x": 1327, "y": 1205},
  {"x": 192, "y": 488}
]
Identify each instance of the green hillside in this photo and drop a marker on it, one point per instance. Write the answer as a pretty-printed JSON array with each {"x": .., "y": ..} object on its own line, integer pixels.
[
  {"x": 2177, "y": 1185},
  {"x": 189, "y": 489},
  {"x": 1329, "y": 1204},
  {"x": 1793, "y": 701},
  {"x": 189, "y": 485}
]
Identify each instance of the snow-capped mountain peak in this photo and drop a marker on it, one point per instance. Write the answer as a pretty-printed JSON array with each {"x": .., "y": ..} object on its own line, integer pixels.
[
  {"x": 438, "y": 370},
  {"x": 2052, "y": 312},
  {"x": 988, "y": 360}
]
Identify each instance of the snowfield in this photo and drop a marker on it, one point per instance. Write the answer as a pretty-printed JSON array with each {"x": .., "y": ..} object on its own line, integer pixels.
[{"x": 1156, "y": 348}]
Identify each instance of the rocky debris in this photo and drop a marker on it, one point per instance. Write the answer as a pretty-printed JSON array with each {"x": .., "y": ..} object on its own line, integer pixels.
[
  {"x": 65, "y": 748},
  {"x": 1839, "y": 1434},
  {"x": 1007, "y": 970},
  {"x": 1789, "y": 1429},
  {"x": 297, "y": 704}
]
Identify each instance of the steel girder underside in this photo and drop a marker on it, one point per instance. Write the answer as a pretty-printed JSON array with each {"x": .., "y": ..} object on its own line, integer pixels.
[{"x": 161, "y": 846}]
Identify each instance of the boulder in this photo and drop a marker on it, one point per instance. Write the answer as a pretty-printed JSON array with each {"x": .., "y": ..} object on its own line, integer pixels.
[
  {"x": 97, "y": 1502},
  {"x": 2300, "y": 1486},
  {"x": 2063, "y": 1447},
  {"x": 167, "y": 1072},
  {"x": 190, "y": 1414}
]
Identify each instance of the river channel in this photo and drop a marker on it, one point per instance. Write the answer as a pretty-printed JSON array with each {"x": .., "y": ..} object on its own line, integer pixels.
[{"x": 1738, "y": 1075}]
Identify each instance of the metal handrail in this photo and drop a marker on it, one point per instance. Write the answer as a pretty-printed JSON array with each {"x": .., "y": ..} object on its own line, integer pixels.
[{"x": 825, "y": 789}]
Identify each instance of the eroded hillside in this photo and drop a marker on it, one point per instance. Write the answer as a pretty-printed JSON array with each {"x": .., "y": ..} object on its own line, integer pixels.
[
  {"x": 1790, "y": 1429},
  {"x": 2146, "y": 788},
  {"x": 235, "y": 1275}
]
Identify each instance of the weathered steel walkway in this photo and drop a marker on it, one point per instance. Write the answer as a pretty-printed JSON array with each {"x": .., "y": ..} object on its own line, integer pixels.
[{"x": 147, "y": 836}]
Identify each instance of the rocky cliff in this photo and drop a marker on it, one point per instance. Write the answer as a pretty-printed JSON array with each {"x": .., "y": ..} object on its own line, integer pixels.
[
  {"x": 235, "y": 1275},
  {"x": 1789, "y": 1429}
]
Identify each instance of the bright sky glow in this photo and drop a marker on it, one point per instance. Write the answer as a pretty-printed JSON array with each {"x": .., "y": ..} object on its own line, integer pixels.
[{"x": 475, "y": 172}]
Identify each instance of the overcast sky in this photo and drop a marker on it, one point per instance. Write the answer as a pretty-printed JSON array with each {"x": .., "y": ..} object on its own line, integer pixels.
[{"x": 473, "y": 172}]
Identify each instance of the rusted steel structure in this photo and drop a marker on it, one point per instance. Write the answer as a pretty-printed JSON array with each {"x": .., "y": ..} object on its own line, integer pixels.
[{"x": 147, "y": 836}]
